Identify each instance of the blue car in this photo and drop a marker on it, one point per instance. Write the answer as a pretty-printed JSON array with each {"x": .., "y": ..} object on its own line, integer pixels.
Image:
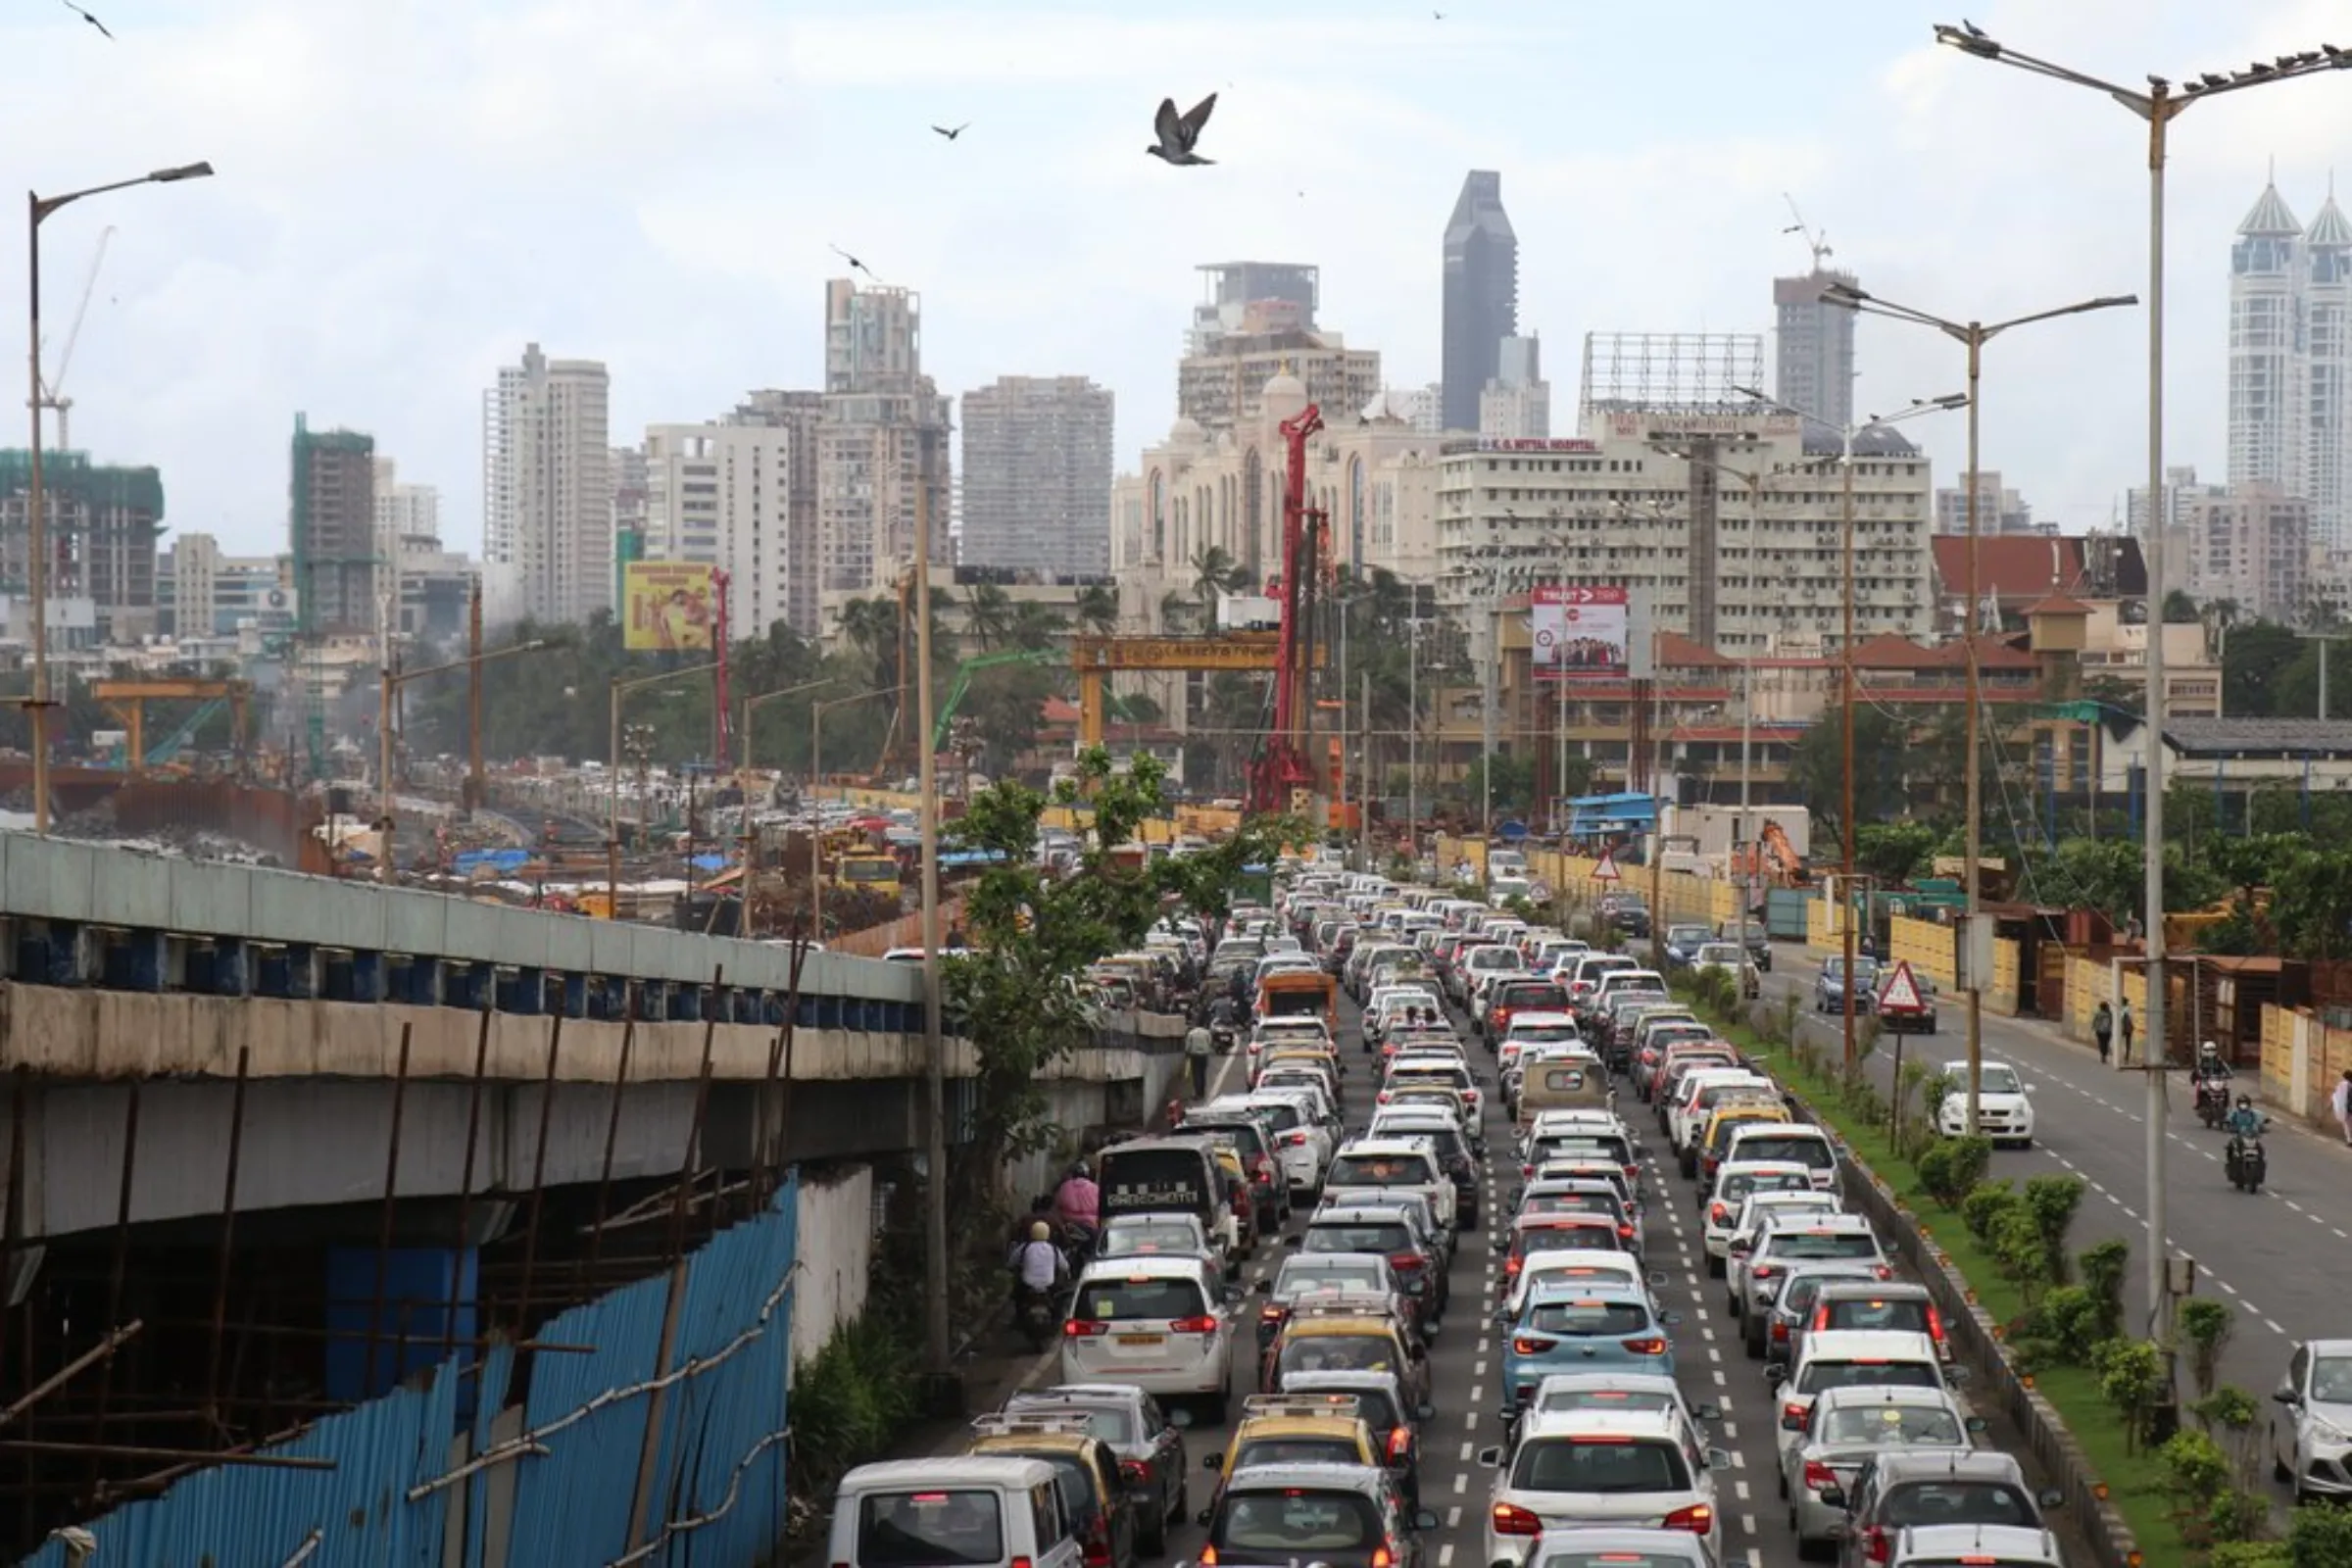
[{"x": 1583, "y": 1326}]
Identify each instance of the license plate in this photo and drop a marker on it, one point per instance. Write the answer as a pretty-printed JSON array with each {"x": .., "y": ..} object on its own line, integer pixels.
[{"x": 1139, "y": 1339}]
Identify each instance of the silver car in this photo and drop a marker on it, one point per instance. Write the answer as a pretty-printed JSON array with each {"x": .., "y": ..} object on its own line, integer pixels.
[
  {"x": 2311, "y": 1435},
  {"x": 1844, "y": 1428},
  {"x": 2003, "y": 1546}
]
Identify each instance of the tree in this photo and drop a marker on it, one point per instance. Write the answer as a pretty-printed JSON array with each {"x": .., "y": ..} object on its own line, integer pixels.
[
  {"x": 2312, "y": 904},
  {"x": 1018, "y": 995},
  {"x": 2252, "y": 659},
  {"x": 1097, "y": 609},
  {"x": 1818, "y": 768},
  {"x": 1214, "y": 572},
  {"x": 987, "y": 610},
  {"x": 1892, "y": 852},
  {"x": 2180, "y": 608},
  {"x": 1514, "y": 781}
]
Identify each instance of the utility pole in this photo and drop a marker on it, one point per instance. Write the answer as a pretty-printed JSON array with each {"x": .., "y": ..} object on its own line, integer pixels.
[
  {"x": 473, "y": 700},
  {"x": 937, "y": 1345}
]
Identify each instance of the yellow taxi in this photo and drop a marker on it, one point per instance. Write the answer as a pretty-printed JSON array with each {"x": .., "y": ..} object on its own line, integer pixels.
[
  {"x": 1237, "y": 1182},
  {"x": 1718, "y": 1136},
  {"x": 1294, "y": 1429},
  {"x": 1346, "y": 1333},
  {"x": 1106, "y": 1526}
]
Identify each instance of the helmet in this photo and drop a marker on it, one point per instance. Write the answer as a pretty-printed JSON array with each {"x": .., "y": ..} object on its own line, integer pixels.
[
  {"x": 1081, "y": 1168},
  {"x": 2209, "y": 1049},
  {"x": 1041, "y": 1232}
]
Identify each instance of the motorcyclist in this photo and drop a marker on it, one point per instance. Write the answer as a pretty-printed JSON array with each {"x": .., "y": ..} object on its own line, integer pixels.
[
  {"x": 2209, "y": 1067},
  {"x": 1078, "y": 1203},
  {"x": 1038, "y": 1266},
  {"x": 2245, "y": 1123}
]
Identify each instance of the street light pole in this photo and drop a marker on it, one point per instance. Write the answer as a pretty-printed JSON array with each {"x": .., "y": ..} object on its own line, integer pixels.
[
  {"x": 1847, "y": 435},
  {"x": 393, "y": 680},
  {"x": 621, "y": 689},
  {"x": 37, "y": 209},
  {"x": 751, "y": 705},
  {"x": 934, "y": 1092},
  {"x": 2157, "y": 107},
  {"x": 1972, "y": 336}
]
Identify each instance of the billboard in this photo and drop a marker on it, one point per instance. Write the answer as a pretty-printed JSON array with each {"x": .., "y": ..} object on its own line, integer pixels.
[
  {"x": 1580, "y": 633},
  {"x": 667, "y": 604}
]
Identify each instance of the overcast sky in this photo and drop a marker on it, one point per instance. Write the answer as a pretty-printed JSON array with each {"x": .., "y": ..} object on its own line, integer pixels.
[{"x": 410, "y": 191}]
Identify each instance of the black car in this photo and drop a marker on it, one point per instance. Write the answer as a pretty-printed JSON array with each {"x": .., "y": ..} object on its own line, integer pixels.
[
  {"x": 1630, "y": 916},
  {"x": 1758, "y": 942}
]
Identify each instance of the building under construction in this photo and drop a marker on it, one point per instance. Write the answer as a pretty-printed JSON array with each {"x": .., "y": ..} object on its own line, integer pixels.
[{"x": 102, "y": 527}]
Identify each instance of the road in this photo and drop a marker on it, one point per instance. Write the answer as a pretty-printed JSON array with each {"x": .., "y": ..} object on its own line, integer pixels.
[
  {"x": 1464, "y": 1364},
  {"x": 2282, "y": 1258}
]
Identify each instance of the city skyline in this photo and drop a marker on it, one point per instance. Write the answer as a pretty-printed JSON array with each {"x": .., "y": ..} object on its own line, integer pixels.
[{"x": 315, "y": 272}]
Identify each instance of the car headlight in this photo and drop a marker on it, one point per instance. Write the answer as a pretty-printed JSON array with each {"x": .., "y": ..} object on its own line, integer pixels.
[{"x": 2327, "y": 1431}]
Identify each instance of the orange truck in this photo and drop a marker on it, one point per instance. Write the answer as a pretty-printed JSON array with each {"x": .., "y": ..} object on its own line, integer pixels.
[{"x": 1301, "y": 994}]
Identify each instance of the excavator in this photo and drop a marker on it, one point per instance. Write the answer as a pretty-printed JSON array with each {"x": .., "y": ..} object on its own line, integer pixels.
[{"x": 1772, "y": 857}]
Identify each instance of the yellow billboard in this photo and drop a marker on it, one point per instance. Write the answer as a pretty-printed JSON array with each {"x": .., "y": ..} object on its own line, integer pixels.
[{"x": 667, "y": 605}]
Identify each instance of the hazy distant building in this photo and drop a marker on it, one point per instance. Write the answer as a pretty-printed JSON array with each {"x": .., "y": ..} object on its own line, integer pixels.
[
  {"x": 1516, "y": 406},
  {"x": 1998, "y": 509},
  {"x": 547, "y": 491},
  {"x": 2251, "y": 545},
  {"x": 435, "y": 585},
  {"x": 202, "y": 593},
  {"x": 2291, "y": 359},
  {"x": 1037, "y": 469},
  {"x": 1482, "y": 295},
  {"x": 1813, "y": 364},
  {"x": 791, "y": 555},
  {"x": 102, "y": 522},
  {"x": 882, "y": 445},
  {"x": 331, "y": 528},
  {"x": 1237, "y": 344}
]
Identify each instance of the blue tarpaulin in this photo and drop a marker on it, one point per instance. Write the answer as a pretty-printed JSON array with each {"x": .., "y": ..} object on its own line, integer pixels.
[
  {"x": 1593, "y": 816},
  {"x": 709, "y": 862},
  {"x": 469, "y": 861}
]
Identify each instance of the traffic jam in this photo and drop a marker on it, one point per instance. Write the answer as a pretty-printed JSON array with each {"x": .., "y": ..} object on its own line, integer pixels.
[{"x": 1480, "y": 1252}]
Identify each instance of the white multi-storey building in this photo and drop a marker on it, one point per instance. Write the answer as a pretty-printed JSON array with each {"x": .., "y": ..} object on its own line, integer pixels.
[
  {"x": 1036, "y": 485},
  {"x": 547, "y": 490},
  {"x": 1727, "y": 525},
  {"x": 882, "y": 444},
  {"x": 2290, "y": 360},
  {"x": 721, "y": 494}
]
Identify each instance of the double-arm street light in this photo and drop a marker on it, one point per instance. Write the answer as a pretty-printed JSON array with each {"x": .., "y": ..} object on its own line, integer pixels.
[
  {"x": 1972, "y": 336},
  {"x": 1847, "y": 435},
  {"x": 38, "y": 210},
  {"x": 2159, "y": 106},
  {"x": 393, "y": 680},
  {"x": 621, "y": 688}
]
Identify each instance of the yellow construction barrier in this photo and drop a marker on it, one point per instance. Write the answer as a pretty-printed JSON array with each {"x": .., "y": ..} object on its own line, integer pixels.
[{"x": 1931, "y": 949}]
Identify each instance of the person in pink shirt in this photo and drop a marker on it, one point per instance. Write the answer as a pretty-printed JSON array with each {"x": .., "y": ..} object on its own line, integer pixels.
[{"x": 1078, "y": 1202}]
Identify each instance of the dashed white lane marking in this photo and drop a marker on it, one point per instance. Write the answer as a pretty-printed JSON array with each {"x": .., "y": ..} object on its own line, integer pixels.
[
  {"x": 1445, "y": 1555},
  {"x": 1461, "y": 1483},
  {"x": 1739, "y": 1489},
  {"x": 1466, "y": 1451},
  {"x": 1453, "y": 1517}
]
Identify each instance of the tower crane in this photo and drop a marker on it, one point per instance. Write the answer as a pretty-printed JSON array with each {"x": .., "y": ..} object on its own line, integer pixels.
[
  {"x": 1816, "y": 240},
  {"x": 52, "y": 393}
]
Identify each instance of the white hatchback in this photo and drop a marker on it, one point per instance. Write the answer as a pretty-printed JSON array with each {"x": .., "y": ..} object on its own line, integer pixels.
[
  {"x": 1645, "y": 1468},
  {"x": 1163, "y": 1325}
]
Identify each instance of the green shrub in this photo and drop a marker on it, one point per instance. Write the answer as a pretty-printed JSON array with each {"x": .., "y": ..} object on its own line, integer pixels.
[
  {"x": 2102, "y": 1268},
  {"x": 2130, "y": 1374},
  {"x": 2205, "y": 1326},
  {"x": 1954, "y": 1168},
  {"x": 1984, "y": 1209},
  {"x": 2250, "y": 1554},
  {"x": 2019, "y": 1252},
  {"x": 2071, "y": 1323},
  {"x": 2320, "y": 1537},
  {"x": 851, "y": 1401},
  {"x": 2052, "y": 1200}
]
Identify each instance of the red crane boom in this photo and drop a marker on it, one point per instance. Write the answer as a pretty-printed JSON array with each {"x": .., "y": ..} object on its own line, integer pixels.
[{"x": 1282, "y": 767}]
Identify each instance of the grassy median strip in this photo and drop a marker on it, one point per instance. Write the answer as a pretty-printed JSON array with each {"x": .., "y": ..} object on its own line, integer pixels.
[{"x": 2135, "y": 1480}]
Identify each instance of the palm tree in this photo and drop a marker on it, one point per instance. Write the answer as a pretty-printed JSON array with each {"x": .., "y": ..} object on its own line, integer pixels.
[
  {"x": 1097, "y": 609},
  {"x": 1033, "y": 625},
  {"x": 987, "y": 607},
  {"x": 1175, "y": 609},
  {"x": 1214, "y": 572}
]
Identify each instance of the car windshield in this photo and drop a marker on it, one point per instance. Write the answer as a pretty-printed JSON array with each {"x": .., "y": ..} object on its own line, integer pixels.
[
  {"x": 1823, "y": 1375},
  {"x": 1605, "y": 1400},
  {"x": 1358, "y": 1237},
  {"x": 1824, "y": 1244},
  {"x": 945, "y": 1528},
  {"x": 1568, "y": 1239},
  {"x": 1740, "y": 1184},
  {"x": 1124, "y": 1238},
  {"x": 1996, "y": 1080},
  {"x": 1122, "y": 1301},
  {"x": 1338, "y": 1352},
  {"x": 1918, "y": 1425},
  {"x": 1297, "y": 1450},
  {"x": 1294, "y": 1521},
  {"x": 2331, "y": 1380},
  {"x": 1569, "y": 1204},
  {"x": 1543, "y": 1034},
  {"x": 1588, "y": 1317},
  {"x": 1879, "y": 1312},
  {"x": 1610, "y": 1466},
  {"x": 1104, "y": 1423},
  {"x": 1379, "y": 1170},
  {"x": 1301, "y": 1275},
  {"x": 1796, "y": 1150},
  {"x": 1616, "y": 1560},
  {"x": 1958, "y": 1502}
]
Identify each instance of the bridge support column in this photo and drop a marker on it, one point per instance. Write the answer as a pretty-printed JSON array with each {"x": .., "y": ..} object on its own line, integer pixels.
[{"x": 523, "y": 990}]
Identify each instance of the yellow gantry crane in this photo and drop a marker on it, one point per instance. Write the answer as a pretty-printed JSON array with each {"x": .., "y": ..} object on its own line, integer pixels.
[
  {"x": 127, "y": 700},
  {"x": 1096, "y": 658}
]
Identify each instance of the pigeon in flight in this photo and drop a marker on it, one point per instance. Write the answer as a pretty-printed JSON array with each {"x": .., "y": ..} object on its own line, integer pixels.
[
  {"x": 854, "y": 262},
  {"x": 1179, "y": 132},
  {"x": 86, "y": 15},
  {"x": 952, "y": 134}
]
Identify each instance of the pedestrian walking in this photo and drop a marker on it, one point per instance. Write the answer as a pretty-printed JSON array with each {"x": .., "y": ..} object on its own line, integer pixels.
[
  {"x": 1197, "y": 1046},
  {"x": 2123, "y": 1029},
  {"x": 2342, "y": 1104},
  {"x": 2102, "y": 1030}
]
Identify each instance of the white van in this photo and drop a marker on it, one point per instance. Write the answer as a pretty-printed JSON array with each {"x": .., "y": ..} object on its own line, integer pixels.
[
  {"x": 975, "y": 1512},
  {"x": 1161, "y": 1324}
]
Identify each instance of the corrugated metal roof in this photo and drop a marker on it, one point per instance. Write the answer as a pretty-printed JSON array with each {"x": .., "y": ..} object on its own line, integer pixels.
[{"x": 2259, "y": 737}]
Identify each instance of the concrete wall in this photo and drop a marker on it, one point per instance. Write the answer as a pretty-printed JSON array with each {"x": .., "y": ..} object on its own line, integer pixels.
[{"x": 836, "y": 1257}]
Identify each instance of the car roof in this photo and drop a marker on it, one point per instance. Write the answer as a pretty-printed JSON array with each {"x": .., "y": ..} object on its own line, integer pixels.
[
  {"x": 1144, "y": 1265},
  {"x": 1674, "y": 1545},
  {"x": 1868, "y": 1289},
  {"x": 938, "y": 1472},
  {"x": 2007, "y": 1541},
  {"x": 1609, "y": 1288},
  {"x": 1831, "y": 1224},
  {"x": 1889, "y": 1393},
  {"x": 1075, "y": 1393},
  {"x": 1868, "y": 1345},
  {"x": 1326, "y": 1477},
  {"x": 1545, "y": 1018},
  {"x": 1630, "y": 1382},
  {"x": 1356, "y": 1214},
  {"x": 1763, "y": 1167},
  {"x": 1587, "y": 1421},
  {"x": 1902, "y": 1465},
  {"x": 1384, "y": 1146}
]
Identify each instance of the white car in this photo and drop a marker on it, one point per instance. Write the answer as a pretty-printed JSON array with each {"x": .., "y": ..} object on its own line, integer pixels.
[
  {"x": 2311, "y": 1433},
  {"x": 1733, "y": 1184},
  {"x": 1629, "y": 1467},
  {"x": 1163, "y": 1325},
  {"x": 1846, "y": 1358},
  {"x": 2004, "y": 1106}
]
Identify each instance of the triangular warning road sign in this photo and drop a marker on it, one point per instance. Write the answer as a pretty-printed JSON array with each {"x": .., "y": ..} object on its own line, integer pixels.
[
  {"x": 1607, "y": 871},
  {"x": 1902, "y": 990}
]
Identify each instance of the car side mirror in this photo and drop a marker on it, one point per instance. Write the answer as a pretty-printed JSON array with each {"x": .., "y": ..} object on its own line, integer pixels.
[
  {"x": 1957, "y": 1376},
  {"x": 1425, "y": 1412},
  {"x": 2285, "y": 1395},
  {"x": 1719, "y": 1459},
  {"x": 1294, "y": 1238},
  {"x": 1180, "y": 1418},
  {"x": 1212, "y": 1462},
  {"x": 1491, "y": 1456},
  {"x": 1975, "y": 1424},
  {"x": 1831, "y": 1498},
  {"x": 1205, "y": 1517},
  {"x": 1262, "y": 1288},
  {"x": 1671, "y": 1319},
  {"x": 1776, "y": 1373},
  {"x": 1425, "y": 1520},
  {"x": 1500, "y": 1246},
  {"x": 1707, "y": 1410},
  {"x": 2050, "y": 1497},
  {"x": 1657, "y": 1276}
]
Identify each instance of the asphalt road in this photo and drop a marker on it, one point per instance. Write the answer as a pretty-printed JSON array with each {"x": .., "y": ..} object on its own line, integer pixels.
[
  {"x": 1465, "y": 1365},
  {"x": 2282, "y": 1256}
]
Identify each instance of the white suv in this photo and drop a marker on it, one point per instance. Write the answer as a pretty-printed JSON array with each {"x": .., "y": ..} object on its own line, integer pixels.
[
  {"x": 1163, "y": 1325},
  {"x": 1642, "y": 1467}
]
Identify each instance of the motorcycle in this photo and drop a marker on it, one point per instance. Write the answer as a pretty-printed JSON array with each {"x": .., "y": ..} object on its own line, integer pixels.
[
  {"x": 2213, "y": 1102},
  {"x": 1221, "y": 1036},
  {"x": 2246, "y": 1162}
]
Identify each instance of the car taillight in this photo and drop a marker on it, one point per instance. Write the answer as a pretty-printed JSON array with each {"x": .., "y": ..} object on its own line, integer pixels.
[
  {"x": 1791, "y": 1410},
  {"x": 1510, "y": 1519},
  {"x": 1874, "y": 1545},
  {"x": 1077, "y": 1328},
  {"x": 1407, "y": 1262},
  {"x": 1819, "y": 1477},
  {"x": 1272, "y": 1315},
  {"x": 1528, "y": 1345},
  {"x": 1207, "y": 1557},
  {"x": 1294, "y": 1140},
  {"x": 1241, "y": 1200},
  {"x": 1698, "y": 1518},
  {"x": 1384, "y": 1555},
  {"x": 1625, "y": 1233},
  {"x": 1935, "y": 1325},
  {"x": 1654, "y": 1346},
  {"x": 1194, "y": 1325},
  {"x": 1882, "y": 1271},
  {"x": 1526, "y": 1172},
  {"x": 1718, "y": 1215},
  {"x": 1779, "y": 1330},
  {"x": 1762, "y": 1271},
  {"x": 1511, "y": 1266},
  {"x": 1384, "y": 1096},
  {"x": 1400, "y": 1442},
  {"x": 1134, "y": 1469},
  {"x": 1097, "y": 1545}
]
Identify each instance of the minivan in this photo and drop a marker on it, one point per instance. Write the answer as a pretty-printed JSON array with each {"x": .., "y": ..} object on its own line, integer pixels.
[
  {"x": 1168, "y": 1175},
  {"x": 971, "y": 1512}
]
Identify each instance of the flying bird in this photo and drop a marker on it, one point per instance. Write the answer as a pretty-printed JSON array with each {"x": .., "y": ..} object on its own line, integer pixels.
[
  {"x": 86, "y": 15},
  {"x": 1178, "y": 133},
  {"x": 952, "y": 134},
  {"x": 1438, "y": 14},
  {"x": 854, "y": 262}
]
